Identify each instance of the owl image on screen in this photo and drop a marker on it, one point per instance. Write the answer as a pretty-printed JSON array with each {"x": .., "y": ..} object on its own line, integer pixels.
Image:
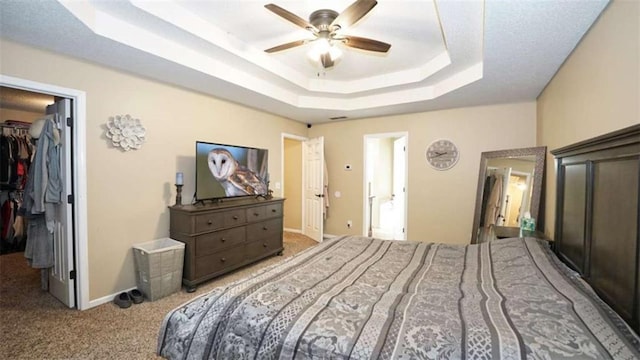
[{"x": 236, "y": 179}]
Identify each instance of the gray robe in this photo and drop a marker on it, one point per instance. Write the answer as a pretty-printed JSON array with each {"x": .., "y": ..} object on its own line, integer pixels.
[{"x": 42, "y": 191}]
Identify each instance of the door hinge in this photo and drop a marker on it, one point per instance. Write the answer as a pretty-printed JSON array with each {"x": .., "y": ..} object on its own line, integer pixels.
[
  {"x": 403, "y": 230},
  {"x": 69, "y": 121},
  {"x": 72, "y": 275},
  {"x": 70, "y": 199},
  {"x": 404, "y": 148}
]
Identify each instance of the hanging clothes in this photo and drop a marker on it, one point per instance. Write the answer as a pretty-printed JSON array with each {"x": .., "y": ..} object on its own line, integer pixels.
[
  {"x": 15, "y": 153},
  {"x": 47, "y": 181},
  {"x": 493, "y": 205},
  {"x": 8, "y": 216},
  {"x": 42, "y": 192}
]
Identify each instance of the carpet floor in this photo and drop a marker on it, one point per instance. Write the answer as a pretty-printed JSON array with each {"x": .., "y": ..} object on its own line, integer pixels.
[{"x": 34, "y": 325}]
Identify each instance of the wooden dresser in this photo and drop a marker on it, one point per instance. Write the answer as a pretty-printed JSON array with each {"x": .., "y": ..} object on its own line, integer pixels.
[{"x": 224, "y": 236}]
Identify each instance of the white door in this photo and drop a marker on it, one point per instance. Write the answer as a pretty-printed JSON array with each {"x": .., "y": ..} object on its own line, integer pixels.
[
  {"x": 313, "y": 174},
  {"x": 399, "y": 188},
  {"x": 61, "y": 285}
]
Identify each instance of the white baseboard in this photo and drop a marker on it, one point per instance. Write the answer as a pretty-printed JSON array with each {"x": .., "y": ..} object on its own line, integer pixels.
[
  {"x": 297, "y": 231},
  {"x": 106, "y": 299},
  {"x": 329, "y": 236}
]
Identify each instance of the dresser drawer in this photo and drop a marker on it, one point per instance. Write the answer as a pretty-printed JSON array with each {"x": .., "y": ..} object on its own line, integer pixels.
[
  {"x": 209, "y": 222},
  {"x": 235, "y": 217},
  {"x": 273, "y": 210},
  {"x": 256, "y": 249},
  {"x": 217, "y": 236},
  {"x": 256, "y": 213},
  {"x": 210, "y": 243},
  {"x": 264, "y": 229},
  {"x": 209, "y": 264}
]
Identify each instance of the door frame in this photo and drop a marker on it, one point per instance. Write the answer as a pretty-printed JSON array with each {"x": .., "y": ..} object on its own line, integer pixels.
[
  {"x": 282, "y": 165},
  {"x": 79, "y": 111},
  {"x": 365, "y": 198}
]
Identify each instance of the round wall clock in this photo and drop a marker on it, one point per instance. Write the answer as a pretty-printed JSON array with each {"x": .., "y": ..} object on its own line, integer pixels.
[{"x": 442, "y": 154}]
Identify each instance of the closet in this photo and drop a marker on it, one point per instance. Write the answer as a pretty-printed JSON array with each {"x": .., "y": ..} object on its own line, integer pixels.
[
  {"x": 16, "y": 150},
  {"x": 35, "y": 177}
]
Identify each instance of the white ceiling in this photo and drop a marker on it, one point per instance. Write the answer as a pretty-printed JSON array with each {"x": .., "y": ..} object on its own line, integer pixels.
[{"x": 444, "y": 53}]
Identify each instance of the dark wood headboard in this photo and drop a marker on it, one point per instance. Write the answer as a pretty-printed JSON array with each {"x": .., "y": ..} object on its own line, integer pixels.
[{"x": 597, "y": 230}]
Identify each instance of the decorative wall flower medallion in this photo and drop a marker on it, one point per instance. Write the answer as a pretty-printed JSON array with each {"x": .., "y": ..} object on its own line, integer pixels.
[{"x": 125, "y": 132}]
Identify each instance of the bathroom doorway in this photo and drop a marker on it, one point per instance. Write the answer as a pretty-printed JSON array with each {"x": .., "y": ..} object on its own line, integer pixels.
[{"x": 385, "y": 185}]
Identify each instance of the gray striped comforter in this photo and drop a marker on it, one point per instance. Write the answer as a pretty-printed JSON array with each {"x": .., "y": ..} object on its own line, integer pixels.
[{"x": 360, "y": 298}]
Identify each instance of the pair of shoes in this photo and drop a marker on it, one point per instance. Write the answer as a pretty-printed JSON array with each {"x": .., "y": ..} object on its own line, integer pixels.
[
  {"x": 136, "y": 296},
  {"x": 123, "y": 300}
]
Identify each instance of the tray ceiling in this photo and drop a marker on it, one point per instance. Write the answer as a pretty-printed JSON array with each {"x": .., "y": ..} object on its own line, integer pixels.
[{"x": 444, "y": 53}]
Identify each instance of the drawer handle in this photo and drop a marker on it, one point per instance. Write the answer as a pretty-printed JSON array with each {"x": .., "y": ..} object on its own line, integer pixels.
[
  {"x": 235, "y": 217},
  {"x": 264, "y": 228},
  {"x": 223, "y": 239},
  {"x": 209, "y": 222},
  {"x": 273, "y": 210},
  {"x": 265, "y": 245},
  {"x": 256, "y": 214},
  {"x": 223, "y": 259}
]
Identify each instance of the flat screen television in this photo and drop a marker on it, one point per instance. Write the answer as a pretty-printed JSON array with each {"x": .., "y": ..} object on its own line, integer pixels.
[{"x": 228, "y": 171}]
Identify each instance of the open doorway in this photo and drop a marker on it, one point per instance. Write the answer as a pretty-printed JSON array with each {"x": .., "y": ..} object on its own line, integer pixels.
[
  {"x": 292, "y": 182},
  {"x": 385, "y": 185},
  {"x": 68, "y": 278},
  {"x": 303, "y": 165}
]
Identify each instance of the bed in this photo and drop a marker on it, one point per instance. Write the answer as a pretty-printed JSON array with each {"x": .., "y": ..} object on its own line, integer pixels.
[{"x": 362, "y": 298}]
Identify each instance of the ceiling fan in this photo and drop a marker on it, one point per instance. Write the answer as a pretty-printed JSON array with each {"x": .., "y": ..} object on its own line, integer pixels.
[{"x": 324, "y": 24}]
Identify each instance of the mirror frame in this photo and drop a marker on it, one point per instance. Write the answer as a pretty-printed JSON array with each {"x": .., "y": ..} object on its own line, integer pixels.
[{"x": 540, "y": 153}]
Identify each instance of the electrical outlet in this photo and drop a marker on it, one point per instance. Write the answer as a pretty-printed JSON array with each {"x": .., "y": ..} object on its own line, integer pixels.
[{"x": 349, "y": 223}]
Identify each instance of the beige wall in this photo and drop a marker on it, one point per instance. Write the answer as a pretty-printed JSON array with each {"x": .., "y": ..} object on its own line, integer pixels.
[
  {"x": 128, "y": 192},
  {"x": 293, "y": 184},
  {"x": 440, "y": 203},
  {"x": 11, "y": 114},
  {"x": 596, "y": 90}
]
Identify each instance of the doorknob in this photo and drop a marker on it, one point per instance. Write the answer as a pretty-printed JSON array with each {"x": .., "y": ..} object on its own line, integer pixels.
[{"x": 320, "y": 195}]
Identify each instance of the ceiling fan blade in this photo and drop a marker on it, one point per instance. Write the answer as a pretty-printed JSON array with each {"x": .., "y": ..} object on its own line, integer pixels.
[
  {"x": 291, "y": 17},
  {"x": 354, "y": 13},
  {"x": 366, "y": 44},
  {"x": 326, "y": 60},
  {"x": 286, "y": 46}
]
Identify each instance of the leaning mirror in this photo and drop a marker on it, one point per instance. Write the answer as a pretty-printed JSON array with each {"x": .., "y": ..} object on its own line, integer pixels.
[{"x": 509, "y": 186}]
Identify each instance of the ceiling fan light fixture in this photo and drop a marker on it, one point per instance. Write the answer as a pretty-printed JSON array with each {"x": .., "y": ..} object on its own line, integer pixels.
[
  {"x": 319, "y": 47},
  {"x": 323, "y": 46},
  {"x": 324, "y": 25},
  {"x": 335, "y": 52}
]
